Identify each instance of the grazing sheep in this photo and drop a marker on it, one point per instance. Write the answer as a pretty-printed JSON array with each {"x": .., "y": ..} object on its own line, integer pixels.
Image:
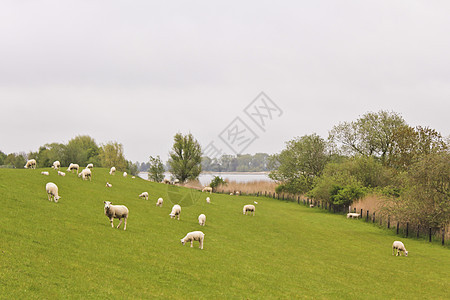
[
  {"x": 30, "y": 164},
  {"x": 311, "y": 205},
  {"x": 85, "y": 174},
  {"x": 176, "y": 211},
  {"x": 207, "y": 189},
  {"x": 353, "y": 215},
  {"x": 166, "y": 181},
  {"x": 237, "y": 193},
  {"x": 202, "y": 220},
  {"x": 255, "y": 202},
  {"x": 176, "y": 181},
  {"x": 45, "y": 173},
  {"x": 89, "y": 166},
  {"x": 116, "y": 212},
  {"x": 61, "y": 173},
  {"x": 248, "y": 208},
  {"x": 208, "y": 200},
  {"x": 144, "y": 195},
  {"x": 56, "y": 165},
  {"x": 159, "y": 202},
  {"x": 108, "y": 184},
  {"x": 73, "y": 167},
  {"x": 231, "y": 194},
  {"x": 112, "y": 171},
  {"x": 52, "y": 192},
  {"x": 397, "y": 245},
  {"x": 133, "y": 177},
  {"x": 194, "y": 236},
  {"x": 125, "y": 174}
]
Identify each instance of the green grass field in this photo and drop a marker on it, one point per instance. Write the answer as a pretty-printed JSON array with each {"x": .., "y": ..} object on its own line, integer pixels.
[{"x": 68, "y": 249}]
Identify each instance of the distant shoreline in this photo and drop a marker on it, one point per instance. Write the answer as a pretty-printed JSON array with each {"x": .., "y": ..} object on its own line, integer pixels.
[{"x": 225, "y": 172}]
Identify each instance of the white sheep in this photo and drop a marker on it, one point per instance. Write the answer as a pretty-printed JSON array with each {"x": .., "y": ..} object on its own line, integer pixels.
[
  {"x": 207, "y": 189},
  {"x": 237, "y": 193},
  {"x": 116, "y": 212},
  {"x": 73, "y": 167},
  {"x": 90, "y": 166},
  {"x": 144, "y": 195},
  {"x": 125, "y": 174},
  {"x": 353, "y": 215},
  {"x": 30, "y": 164},
  {"x": 56, "y": 165},
  {"x": 202, "y": 220},
  {"x": 61, "y": 173},
  {"x": 176, "y": 212},
  {"x": 52, "y": 191},
  {"x": 311, "y": 205},
  {"x": 133, "y": 177},
  {"x": 231, "y": 194},
  {"x": 166, "y": 181},
  {"x": 85, "y": 174},
  {"x": 112, "y": 171},
  {"x": 255, "y": 202},
  {"x": 397, "y": 245},
  {"x": 176, "y": 181},
  {"x": 194, "y": 236},
  {"x": 208, "y": 200},
  {"x": 248, "y": 208},
  {"x": 108, "y": 184},
  {"x": 45, "y": 173},
  {"x": 160, "y": 202}
]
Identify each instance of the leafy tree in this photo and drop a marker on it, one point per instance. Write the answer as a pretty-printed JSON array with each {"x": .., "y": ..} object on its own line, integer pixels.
[
  {"x": 15, "y": 160},
  {"x": 132, "y": 168},
  {"x": 216, "y": 181},
  {"x": 296, "y": 166},
  {"x": 111, "y": 155},
  {"x": 185, "y": 157},
  {"x": 2, "y": 158},
  {"x": 82, "y": 150},
  {"x": 156, "y": 169},
  {"x": 370, "y": 135}
]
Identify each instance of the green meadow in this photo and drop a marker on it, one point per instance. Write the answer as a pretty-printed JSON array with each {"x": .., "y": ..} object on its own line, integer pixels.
[{"x": 69, "y": 250}]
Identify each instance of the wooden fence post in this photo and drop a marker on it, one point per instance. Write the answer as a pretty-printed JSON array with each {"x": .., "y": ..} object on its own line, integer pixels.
[
  {"x": 367, "y": 215},
  {"x": 361, "y": 214},
  {"x": 443, "y": 236},
  {"x": 398, "y": 226},
  {"x": 389, "y": 222},
  {"x": 418, "y": 230},
  {"x": 429, "y": 234},
  {"x": 373, "y": 217},
  {"x": 354, "y": 209}
]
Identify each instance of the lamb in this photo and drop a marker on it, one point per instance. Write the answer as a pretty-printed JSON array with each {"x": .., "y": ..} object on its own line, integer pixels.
[
  {"x": 61, "y": 173},
  {"x": 353, "y": 215},
  {"x": 144, "y": 195},
  {"x": 73, "y": 167},
  {"x": 85, "y": 173},
  {"x": 108, "y": 184},
  {"x": 202, "y": 220},
  {"x": 30, "y": 164},
  {"x": 159, "y": 202},
  {"x": 45, "y": 173},
  {"x": 52, "y": 192},
  {"x": 208, "y": 200},
  {"x": 56, "y": 165},
  {"x": 397, "y": 245},
  {"x": 125, "y": 174},
  {"x": 89, "y": 166},
  {"x": 248, "y": 208},
  {"x": 176, "y": 211},
  {"x": 112, "y": 171},
  {"x": 116, "y": 212},
  {"x": 194, "y": 236},
  {"x": 207, "y": 189}
]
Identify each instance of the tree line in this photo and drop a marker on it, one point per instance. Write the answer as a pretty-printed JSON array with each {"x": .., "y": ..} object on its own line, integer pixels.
[
  {"x": 377, "y": 153},
  {"x": 81, "y": 150}
]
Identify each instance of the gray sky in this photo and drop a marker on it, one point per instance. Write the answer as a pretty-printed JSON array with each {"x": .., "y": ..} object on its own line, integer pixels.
[{"x": 137, "y": 72}]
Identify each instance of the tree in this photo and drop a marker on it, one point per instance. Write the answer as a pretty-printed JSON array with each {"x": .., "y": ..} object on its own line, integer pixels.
[
  {"x": 82, "y": 150},
  {"x": 111, "y": 155},
  {"x": 216, "y": 181},
  {"x": 370, "y": 135},
  {"x": 15, "y": 160},
  {"x": 156, "y": 169},
  {"x": 296, "y": 166},
  {"x": 2, "y": 158},
  {"x": 185, "y": 158}
]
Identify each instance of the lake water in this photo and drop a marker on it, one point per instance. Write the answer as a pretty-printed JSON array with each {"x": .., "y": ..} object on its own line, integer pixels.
[{"x": 205, "y": 178}]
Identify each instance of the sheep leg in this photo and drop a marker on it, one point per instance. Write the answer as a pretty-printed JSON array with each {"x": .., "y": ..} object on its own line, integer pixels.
[
  {"x": 120, "y": 223},
  {"x": 125, "y": 226},
  {"x": 393, "y": 250},
  {"x": 201, "y": 244},
  {"x": 49, "y": 199},
  {"x": 192, "y": 243},
  {"x": 111, "y": 220}
]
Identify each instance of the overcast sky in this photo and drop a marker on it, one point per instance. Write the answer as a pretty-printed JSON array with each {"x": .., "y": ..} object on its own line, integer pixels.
[{"x": 137, "y": 72}]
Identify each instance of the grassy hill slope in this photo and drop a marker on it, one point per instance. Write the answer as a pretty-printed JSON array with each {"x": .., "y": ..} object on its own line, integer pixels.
[{"x": 68, "y": 249}]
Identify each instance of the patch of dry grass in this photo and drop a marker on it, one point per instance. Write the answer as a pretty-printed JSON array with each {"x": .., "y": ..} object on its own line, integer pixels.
[{"x": 251, "y": 187}]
